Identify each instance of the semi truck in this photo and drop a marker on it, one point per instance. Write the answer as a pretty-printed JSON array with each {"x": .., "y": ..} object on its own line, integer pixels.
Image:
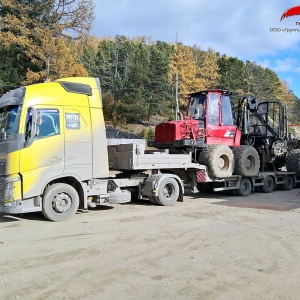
[{"x": 55, "y": 157}]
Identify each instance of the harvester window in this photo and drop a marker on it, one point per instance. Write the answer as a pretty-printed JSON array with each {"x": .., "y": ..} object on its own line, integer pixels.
[
  {"x": 213, "y": 109},
  {"x": 197, "y": 107},
  {"x": 227, "y": 118}
]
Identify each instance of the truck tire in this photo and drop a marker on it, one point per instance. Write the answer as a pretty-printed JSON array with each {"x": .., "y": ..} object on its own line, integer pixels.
[
  {"x": 245, "y": 187},
  {"x": 168, "y": 192},
  {"x": 289, "y": 183},
  {"x": 218, "y": 159},
  {"x": 293, "y": 161},
  {"x": 247, "y": 161},
  {"x": 60, "y": 202},
  {"x": 269, "y": 185}
]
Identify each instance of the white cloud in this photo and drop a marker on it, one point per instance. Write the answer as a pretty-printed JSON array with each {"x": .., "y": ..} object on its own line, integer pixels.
[
  {"x": 287, "y": 64},
  {"x": 237, "y": 28}
]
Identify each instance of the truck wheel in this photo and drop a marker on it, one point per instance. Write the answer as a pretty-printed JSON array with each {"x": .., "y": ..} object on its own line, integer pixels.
[
  {"x": 293, "y": 161},
  {"x": 245, "y": 187},
  {"x": 247, "y": 160},
  {"x": 168, "y": 192},
  {"x": 289, "y": 183},
  {"x": 218, "y": 159},
  {"x": 269, "y": 185},
  {"x": 60, "y": 202}
]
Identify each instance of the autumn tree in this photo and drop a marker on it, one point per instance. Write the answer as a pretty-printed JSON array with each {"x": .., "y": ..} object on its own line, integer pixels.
[
  {"x": 207, "y": 62},
  {"x": 184, "y": 62},
  {"x": 43, "y": 30}
]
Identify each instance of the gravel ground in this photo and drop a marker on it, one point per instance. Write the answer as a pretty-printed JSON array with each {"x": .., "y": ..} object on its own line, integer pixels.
[{"x": 208, "y": 247}]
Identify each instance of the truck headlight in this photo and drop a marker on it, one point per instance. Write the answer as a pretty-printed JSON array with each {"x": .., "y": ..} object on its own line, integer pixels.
[
  {"x": 12, "y": 189},
  {"x": 8, "y": 190}
]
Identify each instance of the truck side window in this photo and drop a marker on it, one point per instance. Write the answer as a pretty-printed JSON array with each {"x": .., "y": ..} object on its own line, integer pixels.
[{"x": 49, "y": 123}]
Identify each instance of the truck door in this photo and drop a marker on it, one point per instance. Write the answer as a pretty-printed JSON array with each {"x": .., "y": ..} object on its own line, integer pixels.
[{"x": 43, "y": 159}]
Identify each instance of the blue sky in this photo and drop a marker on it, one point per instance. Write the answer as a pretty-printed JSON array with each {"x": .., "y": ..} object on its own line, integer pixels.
[{"x": 237, "y": 28}]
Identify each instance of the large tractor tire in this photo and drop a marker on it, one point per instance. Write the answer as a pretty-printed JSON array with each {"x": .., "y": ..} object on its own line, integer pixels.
[
  {"x": 218, "y": 159},
  {"x": 247, "y": 161},
  {"x": 293, "y": 161}
]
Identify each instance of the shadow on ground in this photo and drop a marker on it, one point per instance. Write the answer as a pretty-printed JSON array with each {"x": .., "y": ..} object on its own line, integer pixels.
[{"x": 277, "y": 200}]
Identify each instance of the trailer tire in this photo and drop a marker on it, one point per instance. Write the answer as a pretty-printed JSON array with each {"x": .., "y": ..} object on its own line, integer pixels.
[
  {"x": 218, "y": 159},
  {"x": 245, "y": 187},
  {"x": 60, "y": 202},
  {"x": 293, "y": 161},
  {"x": 269, "y": 185},
  {"x": 289, "y": 183},
  {"x": 168, "y": 192},
  {"x": 247, "y": 160}
]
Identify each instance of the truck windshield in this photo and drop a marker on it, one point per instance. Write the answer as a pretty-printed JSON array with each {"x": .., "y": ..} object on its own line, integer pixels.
[{"x": 9, "y": 119}]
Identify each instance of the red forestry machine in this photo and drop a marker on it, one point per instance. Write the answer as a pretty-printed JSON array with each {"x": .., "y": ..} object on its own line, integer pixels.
[{"x": 254, "y": 139}]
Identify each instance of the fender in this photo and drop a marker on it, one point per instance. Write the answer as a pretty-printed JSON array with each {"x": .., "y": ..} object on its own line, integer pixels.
[{"x": 152, "y": 183}]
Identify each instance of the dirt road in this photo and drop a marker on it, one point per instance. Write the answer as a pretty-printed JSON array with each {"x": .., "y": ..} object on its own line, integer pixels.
[{"x": 217, "y": 247}]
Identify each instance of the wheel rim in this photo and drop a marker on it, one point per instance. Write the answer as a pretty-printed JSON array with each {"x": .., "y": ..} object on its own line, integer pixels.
[
  {"x": 250, "y": 163},
  {"x": 62, "y": 203},
  {"x": 223, "y": 162},
  {"x": 245, "y": 186},
  {"x": 168, "y": 191}
]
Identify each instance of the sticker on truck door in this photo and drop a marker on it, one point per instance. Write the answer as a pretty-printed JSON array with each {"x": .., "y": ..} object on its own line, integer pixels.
[{"x": 72, "y": 121}]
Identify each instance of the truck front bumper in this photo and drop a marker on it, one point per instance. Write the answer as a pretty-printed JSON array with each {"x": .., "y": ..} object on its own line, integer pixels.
[
  {"x": 21, "y": 206},
  {"x": 11, "y": 197}
]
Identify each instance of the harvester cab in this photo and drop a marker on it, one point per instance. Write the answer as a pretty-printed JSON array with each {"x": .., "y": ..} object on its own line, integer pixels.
[
  {"x": 208, "y": 121},
  {"x": 209, "y": 133}
]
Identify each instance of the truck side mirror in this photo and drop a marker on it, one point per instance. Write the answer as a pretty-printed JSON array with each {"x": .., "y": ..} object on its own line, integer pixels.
[{"x": 33, "y": 122}]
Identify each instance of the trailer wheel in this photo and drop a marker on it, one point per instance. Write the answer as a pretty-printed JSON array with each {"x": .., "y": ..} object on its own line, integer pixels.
[
  {"x": 168, "y": 192},
  {"x": 245, "y": 187},
  {"x": 218, "y": 159},
  {"x": 247, "y": 161},
  {"x": 269, "y": 185},
  {"x": 293, "y": 161},
  {"x": 289, "y": 183},
  {"x": 60, "y": 202}
]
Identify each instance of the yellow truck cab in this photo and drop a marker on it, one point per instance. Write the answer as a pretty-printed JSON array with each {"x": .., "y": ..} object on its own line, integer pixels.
[
  {"x": 54, "y": 155},
  {"x": 52, "y": 135}
]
